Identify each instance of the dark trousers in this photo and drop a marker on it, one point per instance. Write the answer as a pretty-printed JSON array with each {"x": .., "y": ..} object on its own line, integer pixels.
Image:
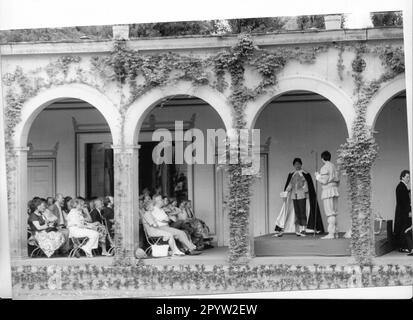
[
  {"x": 300, "y": 214},
  {"x": 408, "y": 237}
]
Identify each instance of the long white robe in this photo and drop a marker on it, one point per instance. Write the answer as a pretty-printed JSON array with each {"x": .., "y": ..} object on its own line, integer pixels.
[{"x": 286, "y": 217}]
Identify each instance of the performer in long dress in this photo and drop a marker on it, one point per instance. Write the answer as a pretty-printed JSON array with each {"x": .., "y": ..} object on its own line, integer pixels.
[
  {"x": 286, "y": 220},
  {"x": 329, "y": 179}
]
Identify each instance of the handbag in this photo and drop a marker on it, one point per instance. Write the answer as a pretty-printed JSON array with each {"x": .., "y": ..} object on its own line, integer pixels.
[{"x": 159, "y": 250}]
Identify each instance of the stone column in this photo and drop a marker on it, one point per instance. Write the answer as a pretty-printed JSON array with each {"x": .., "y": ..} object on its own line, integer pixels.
[
  {"x": 17, "y": 195},
  {"x": 241, "y": 223},
  {"x": 126, "y": 195}
]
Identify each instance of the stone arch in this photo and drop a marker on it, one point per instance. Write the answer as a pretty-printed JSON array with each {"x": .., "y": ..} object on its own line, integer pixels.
[
  {"x": 385, "y": 94},
  {"x": 32, "y": 108},
  {"x": 291, "y": 83},
  {"x": 142, "y": 106}
]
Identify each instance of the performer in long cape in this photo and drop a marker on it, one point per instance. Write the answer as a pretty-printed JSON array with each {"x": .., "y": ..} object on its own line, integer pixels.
[{"x": 285, "y": 221}]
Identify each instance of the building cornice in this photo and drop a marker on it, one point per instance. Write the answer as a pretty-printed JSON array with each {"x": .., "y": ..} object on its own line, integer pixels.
[{"x": 210, "y": 43}]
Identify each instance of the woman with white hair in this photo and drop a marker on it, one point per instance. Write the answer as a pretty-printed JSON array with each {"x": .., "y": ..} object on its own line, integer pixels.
[{"x": 79, "y": 228}]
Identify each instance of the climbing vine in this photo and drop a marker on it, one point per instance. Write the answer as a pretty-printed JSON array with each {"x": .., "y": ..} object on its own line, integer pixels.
[
  {"x": 358, "y": 154},
  {"x": 139, "y": 73}
]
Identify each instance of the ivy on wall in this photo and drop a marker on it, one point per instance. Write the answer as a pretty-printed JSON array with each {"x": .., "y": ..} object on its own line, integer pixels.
[
  {"x": 140, "y": 73},
  {"x": 358, "y": 154},
  {"x": 144, "y": 72}
]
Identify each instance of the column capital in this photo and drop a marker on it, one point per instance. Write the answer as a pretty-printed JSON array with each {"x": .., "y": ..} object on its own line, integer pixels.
[
  {"x": 125, "y": 149},
  {"x": 21, "y": 149}
]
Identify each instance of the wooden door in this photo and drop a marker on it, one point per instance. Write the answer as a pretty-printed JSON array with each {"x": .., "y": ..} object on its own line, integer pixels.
[{"x": 41, "y": 178}]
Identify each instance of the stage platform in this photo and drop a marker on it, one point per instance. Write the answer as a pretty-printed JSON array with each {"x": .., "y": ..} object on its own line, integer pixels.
[{"x": 292, "y": 245}]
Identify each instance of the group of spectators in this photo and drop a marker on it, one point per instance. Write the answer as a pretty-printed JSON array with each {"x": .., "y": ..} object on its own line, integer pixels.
[
  {"x": 54, "y": 221},
  {"x": 164, "y": 217}
]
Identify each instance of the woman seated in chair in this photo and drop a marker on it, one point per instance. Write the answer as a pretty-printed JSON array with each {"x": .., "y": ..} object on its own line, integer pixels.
[
  {"x": 80, "y": 228},
  {"x": 47, "y": 236},
  {"x": 194, "y": 227},
  {"x": 151, "y": 227},
  {"x": 199, "y": 224}
]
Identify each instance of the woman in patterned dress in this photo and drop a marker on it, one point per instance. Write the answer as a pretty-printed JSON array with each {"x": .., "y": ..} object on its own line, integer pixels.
[{"x": 47, "y": 236}]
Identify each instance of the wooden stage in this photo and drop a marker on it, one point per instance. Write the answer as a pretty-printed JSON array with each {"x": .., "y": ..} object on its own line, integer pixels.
[{"x": 292, "y": 245}]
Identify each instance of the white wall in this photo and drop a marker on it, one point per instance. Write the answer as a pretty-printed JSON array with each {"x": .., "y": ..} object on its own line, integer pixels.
[
  {"x": 392, "y": 138},
  {"x": 296, "y": 129},
  {"x": 56, "y": 125}
]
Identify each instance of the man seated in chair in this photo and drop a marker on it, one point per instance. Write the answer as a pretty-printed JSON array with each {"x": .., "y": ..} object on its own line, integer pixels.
[
  {"x": 100, "y": 223},
  {"x": 162, "y": 220}
]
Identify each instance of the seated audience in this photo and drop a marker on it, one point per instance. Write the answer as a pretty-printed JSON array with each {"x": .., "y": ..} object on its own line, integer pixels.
[
  {"x": 198, "y": 230},
  {"x": 66, "y": 204},
  {"x": 101, "y": 225},
  {"x": 109, "y": 215},
  {"x": 163, "y": 220},
  {"x": 47, "y": 236},
  {"x": 152, "y": 228},
  {"x": 56, "y": 209},
  {"x": 79, "y": 228},
  {"x": 50, "y": 201}
]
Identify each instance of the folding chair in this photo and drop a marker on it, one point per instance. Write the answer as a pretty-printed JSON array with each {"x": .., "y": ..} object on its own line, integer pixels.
[
  {"x": 77, "y": 245},
  {"x": 33, "y": 242},
  {"x": 152, "y": 240},
  {"x": 111, "y": 242}
]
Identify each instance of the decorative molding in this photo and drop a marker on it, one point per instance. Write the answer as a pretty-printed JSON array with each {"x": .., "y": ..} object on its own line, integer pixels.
[
  {"x": 264, "y": 148},
  {"x": 33, "y": 153},
  {"x": 89, "y": 127},
  {"x": 151, "y": 125}
]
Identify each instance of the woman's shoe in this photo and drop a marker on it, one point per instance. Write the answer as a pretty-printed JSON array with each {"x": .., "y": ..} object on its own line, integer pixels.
[
  {"x": 328, "y": 237},
  {"x": 106, "y": 254},
  {"x": 178, "y": 253},
  {"x": 193, "y": 252},
  {"x": 87, "y": 253}
]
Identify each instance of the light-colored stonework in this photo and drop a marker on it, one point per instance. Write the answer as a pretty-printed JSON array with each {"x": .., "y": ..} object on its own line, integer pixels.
[{"x": 50, "y": 81}]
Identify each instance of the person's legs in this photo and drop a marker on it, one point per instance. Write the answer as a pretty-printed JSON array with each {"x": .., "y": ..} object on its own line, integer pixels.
[
  {"x": 408, "y": 240},
  {"x": 65, "y": 248},
  {"x": 173, "y": 246},
  {"x": 300, "y": 214},
  {"x": 329, "y": 210},
  {"x": 93, "y": 240},
  {"x": 181, "y": 236},
  {"x": 92, "y": 235},
  {"x": 167, "y": 236}
]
